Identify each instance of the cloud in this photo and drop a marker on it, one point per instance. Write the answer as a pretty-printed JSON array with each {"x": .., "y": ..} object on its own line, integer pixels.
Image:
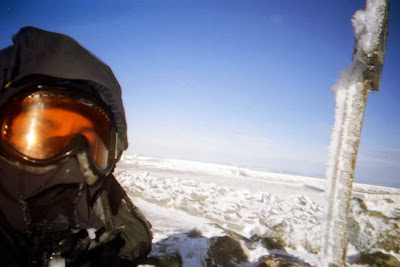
[
  {"x": 378, "y": 157},
  {"x": 236, "y": 148},
  {"x": 378, "y": 166},
  {"x": 195, "y": 144}
]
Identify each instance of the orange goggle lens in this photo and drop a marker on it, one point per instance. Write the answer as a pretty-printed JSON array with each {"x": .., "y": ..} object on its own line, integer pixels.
[{"x": 41, "y": 125}]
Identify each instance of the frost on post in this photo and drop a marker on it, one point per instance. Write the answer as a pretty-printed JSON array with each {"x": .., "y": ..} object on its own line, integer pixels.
[{"x": 351, "y": 90}]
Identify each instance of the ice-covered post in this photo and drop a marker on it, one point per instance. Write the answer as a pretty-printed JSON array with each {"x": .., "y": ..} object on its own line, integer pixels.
[{"x": 351, "y": 91}]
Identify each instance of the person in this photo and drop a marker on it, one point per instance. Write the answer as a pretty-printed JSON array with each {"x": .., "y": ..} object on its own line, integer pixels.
[{"x": 63, "y": 129}]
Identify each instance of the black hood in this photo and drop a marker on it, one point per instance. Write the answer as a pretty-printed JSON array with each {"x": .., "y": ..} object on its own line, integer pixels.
[{"x": 57, "y": 56}]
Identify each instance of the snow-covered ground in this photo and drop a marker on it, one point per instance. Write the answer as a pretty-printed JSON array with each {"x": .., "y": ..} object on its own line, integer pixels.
[{"x": 182, "y": 197}]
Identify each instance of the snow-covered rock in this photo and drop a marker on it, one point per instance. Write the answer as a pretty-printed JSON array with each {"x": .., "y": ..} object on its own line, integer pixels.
[
  {"x": 377, "y": 259},
  {"x": 281, "y": 260},
  {"x": 225, "y": 251},
  {"x": 371, "y": 229}
]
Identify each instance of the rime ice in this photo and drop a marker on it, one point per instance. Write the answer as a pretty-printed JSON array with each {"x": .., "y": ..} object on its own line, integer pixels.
[{"x": 351, "y": 91}]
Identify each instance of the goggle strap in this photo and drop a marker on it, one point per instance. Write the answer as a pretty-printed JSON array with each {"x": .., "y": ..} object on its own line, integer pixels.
[{"x": 116, "y": 145}]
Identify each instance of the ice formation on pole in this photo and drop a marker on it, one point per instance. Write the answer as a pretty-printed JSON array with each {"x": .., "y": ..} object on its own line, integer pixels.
[{"x": 351, "y": 91}]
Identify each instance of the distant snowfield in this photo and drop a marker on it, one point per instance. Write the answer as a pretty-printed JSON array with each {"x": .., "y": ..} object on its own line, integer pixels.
[{"x": 179, "y": 196}]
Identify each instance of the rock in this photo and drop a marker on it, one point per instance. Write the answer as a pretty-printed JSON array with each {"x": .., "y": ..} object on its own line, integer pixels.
[
  {"x": 231, "y": 233},
  {"x": 370, "y": 230},
  {"x": 278, "y": 234},
  {"x": 194, "y": 234},
  {"x": 311, "y": 247},
  {"x": 270, "y": 244},
  {"x": 225, "y": 251},
  {"x": 162, "y": 260},
  {"x": 267, "y": 242},
  {"x": 377, "y": 259},
  {"x": 278, "y": 260},
  {"x": 388, "y": 200},
  {"x": 288, "y": 236}
]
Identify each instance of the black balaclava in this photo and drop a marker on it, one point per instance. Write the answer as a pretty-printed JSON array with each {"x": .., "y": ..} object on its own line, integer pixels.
[{"x": 49, "y": 208}]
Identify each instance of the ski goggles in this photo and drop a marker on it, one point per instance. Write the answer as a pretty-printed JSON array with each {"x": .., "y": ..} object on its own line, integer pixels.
[{"x": 44, "y": 125}]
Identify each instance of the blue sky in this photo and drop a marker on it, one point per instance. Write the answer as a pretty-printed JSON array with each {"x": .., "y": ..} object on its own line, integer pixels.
[{"x": 236, "y": 82}]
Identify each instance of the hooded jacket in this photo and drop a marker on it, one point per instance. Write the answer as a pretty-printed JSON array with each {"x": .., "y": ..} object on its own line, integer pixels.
[
  {"x": 36, "y": 52},
  {"x": 39, "y": 55}
]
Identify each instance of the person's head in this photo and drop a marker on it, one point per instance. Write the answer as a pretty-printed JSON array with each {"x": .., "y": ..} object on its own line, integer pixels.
[{"x": 62, "y": 122}]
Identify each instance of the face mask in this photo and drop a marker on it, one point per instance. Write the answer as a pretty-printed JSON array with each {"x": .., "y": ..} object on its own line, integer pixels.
[{"x": 50, "y": 208}]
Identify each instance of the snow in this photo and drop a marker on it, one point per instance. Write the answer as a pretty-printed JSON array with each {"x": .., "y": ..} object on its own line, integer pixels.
[
  {"x": 56, "y": 261},
  {"x": 180, "y": 197},
  {"x": 368, "y": 24},
  {"x": 91, "y": 233}
]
